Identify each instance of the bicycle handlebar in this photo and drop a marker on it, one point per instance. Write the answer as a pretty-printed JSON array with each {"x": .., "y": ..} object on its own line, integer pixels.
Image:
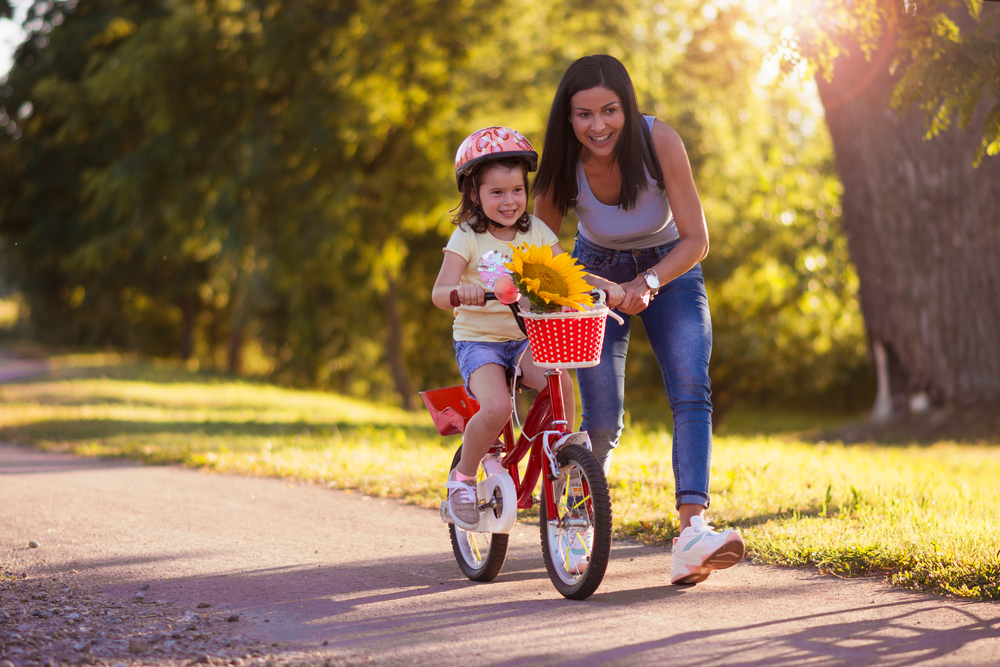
[{"x": 490, "y": 296}]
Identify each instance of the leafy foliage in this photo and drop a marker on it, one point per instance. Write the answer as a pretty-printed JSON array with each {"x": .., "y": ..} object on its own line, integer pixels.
[
  {"x": 212, "y": 176},
  {"x": 948, "y": 59}
]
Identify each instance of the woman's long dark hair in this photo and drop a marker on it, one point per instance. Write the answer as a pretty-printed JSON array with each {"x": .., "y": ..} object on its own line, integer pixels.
[
  {"x": 561, "y": 152},
  {"x": 471, "y": 213}
]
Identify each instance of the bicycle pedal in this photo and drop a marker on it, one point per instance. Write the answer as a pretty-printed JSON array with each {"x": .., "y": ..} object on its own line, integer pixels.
[{"x": 445, "y": 514}]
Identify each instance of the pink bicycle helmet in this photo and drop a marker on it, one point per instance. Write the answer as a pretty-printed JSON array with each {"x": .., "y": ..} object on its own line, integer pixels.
[{"x": 491, "y": 143}]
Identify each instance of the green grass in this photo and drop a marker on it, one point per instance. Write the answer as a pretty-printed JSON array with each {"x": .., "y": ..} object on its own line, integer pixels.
[{"x": 922, "y": 515}]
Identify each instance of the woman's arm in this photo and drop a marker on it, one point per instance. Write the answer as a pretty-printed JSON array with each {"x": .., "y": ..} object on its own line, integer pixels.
[
  {"x": 688, "y": 216},
  {"x": 685, "y": 204},
  {"x": 546, "y": 211},
  {"x": 448, "y": 280}
]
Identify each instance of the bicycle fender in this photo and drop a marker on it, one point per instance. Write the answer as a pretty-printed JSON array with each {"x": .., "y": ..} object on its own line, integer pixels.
[{"x": 578, "y": 438}]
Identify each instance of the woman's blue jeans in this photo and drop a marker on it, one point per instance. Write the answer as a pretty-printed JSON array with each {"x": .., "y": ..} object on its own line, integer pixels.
[{"x": 679, "y": 328}]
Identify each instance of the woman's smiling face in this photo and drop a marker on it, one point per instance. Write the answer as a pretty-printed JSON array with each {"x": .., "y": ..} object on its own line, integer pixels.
[{"x": 597, "y": 119}]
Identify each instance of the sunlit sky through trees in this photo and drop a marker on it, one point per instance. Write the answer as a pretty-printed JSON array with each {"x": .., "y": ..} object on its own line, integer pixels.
[
  {"x": 11, "y": 34},
  {"x": 775, "y": 18}
]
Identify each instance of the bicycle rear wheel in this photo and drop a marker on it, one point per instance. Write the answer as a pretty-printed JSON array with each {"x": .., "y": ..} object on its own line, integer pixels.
[
  {"x": 576, "y": 543},
  {"x": 480, "y": 556}
]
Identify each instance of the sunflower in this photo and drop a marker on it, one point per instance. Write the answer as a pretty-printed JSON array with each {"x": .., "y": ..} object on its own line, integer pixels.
[{"x": 549, "y": 282}]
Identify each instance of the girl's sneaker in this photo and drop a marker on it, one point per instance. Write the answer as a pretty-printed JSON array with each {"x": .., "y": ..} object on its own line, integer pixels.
[
  {"x": 463, "y": 504},
  {"x": 700, "y": 550}
]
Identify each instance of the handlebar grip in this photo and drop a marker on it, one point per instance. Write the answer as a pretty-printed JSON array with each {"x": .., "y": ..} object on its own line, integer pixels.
[{"x": 456, "y": 302}]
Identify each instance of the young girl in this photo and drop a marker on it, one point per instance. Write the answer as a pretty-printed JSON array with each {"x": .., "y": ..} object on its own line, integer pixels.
[{"x": 491, "y": 168}]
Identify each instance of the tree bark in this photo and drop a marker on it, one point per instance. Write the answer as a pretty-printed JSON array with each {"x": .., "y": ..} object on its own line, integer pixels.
[
  {"x": 394, "y": 347},
  {"x": 923, "y": 229}
]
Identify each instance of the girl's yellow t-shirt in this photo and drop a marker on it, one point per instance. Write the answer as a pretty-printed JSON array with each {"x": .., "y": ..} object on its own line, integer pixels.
[{"x": 485, "y": 256}]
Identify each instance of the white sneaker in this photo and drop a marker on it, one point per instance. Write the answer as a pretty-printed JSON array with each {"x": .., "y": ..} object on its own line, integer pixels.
[{"x": 700, "y": 550}]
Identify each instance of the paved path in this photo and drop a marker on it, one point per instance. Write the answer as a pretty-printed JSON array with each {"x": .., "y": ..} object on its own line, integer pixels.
[
  {"x": 368, "y": 581},
  {"x": 12, "y": 368}
]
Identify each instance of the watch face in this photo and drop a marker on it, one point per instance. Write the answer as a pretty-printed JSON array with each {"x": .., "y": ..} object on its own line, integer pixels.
[{"x": 651, "y": 280}]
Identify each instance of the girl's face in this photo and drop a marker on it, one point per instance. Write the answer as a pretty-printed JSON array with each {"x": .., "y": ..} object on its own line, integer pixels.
[
  {"x": 502, "y": 194},
  {"x": 597, "y": 119}
]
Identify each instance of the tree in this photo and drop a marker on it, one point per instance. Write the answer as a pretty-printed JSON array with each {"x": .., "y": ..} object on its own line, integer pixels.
[{"x": 920, "y": 219}]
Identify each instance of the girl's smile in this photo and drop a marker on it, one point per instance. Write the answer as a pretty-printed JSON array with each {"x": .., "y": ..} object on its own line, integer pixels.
[{"x": 503, "y": 196}]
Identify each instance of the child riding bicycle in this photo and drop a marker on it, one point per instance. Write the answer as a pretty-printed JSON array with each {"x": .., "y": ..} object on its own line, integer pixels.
[{"x": 491, "y": 168}]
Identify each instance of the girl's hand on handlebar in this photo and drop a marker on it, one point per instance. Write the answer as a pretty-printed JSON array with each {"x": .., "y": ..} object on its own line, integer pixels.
[{"x": 471, "y": 295}]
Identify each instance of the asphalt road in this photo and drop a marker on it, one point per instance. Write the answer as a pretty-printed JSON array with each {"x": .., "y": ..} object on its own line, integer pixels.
[{"x": 357, "y": 580}]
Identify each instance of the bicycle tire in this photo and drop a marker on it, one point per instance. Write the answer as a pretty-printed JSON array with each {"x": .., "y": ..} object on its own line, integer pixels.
[
  {"x": 558, "y": 538},
  {"x": 469, "y": 547}
]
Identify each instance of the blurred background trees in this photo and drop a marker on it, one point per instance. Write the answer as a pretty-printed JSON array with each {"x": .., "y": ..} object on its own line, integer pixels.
[{"x": 264, "y": 187}]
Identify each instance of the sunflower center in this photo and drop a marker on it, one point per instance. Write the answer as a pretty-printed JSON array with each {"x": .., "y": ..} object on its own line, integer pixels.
[{"x": 550, "y": 279}]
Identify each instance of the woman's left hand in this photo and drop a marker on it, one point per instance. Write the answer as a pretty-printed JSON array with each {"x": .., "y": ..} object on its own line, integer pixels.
[
  {"x": 615, "y": 294},
  {"x": 636, "y": 297}
]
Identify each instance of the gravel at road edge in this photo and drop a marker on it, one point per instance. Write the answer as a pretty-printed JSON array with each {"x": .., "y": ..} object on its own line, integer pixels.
[{"x": 60, "y": 620}]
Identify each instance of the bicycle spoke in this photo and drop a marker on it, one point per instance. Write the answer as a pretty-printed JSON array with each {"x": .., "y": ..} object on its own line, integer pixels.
[
  {"x": 475, "y": 547},
  {"x": 583, "y": 543}
]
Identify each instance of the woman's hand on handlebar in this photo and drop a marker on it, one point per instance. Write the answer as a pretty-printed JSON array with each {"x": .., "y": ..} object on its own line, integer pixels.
[
  {"x": 615, "y": 294},
  {"x": 636, "y": 297}
]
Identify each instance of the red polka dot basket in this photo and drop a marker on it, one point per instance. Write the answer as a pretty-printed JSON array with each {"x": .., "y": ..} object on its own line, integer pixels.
[{"x": 566, "y": 340}]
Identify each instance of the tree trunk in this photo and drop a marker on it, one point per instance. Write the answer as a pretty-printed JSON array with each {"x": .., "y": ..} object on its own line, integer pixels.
[
  {"x": 189, "y": 314},
  {"x": 923, "y": 229},
  {"x": 235, "y": 352},
  {"x": 394, "y": 347}
]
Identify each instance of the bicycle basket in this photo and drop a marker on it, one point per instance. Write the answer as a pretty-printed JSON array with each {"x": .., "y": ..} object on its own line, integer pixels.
[
  {"x": 450, "y": 408},
  {"x": 566, "y": 340}
]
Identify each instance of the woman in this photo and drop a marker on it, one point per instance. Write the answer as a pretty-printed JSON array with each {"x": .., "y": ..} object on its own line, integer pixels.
[{"x": 651, "y": 242}]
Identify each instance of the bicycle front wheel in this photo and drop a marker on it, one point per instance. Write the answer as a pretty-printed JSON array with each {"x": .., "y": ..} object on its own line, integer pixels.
[
  {"x": 576, "y": 543},
  {"x": 480, "y": 556}
]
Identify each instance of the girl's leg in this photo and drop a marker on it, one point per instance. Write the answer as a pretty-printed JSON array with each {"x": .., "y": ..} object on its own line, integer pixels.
[
  {"x": 680, "y": 331},
  {"x": 489, "y": 385},
  {"x": 534, "y": 377}
]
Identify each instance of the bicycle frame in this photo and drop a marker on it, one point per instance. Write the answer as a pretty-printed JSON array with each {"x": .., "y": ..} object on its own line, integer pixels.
[{"x": 545, "y": 422}]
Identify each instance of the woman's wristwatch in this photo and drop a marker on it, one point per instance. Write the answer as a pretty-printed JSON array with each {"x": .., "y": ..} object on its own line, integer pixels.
[{"x": 652, "y": 280}]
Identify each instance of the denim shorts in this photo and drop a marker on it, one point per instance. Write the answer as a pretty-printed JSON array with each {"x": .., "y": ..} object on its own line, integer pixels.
[{"x": 473, "y": 354}]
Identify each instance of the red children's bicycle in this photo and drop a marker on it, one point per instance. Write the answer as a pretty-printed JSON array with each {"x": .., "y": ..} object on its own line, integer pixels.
[{"x": 575, "y": 506}]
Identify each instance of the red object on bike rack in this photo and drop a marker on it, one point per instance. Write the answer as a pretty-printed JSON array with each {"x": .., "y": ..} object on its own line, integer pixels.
[{"x": 450, "y": 408}]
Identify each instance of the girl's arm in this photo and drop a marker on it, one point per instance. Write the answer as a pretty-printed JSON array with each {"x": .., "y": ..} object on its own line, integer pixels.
[
  {"x": 449, "y": 279},
  {"x": 613, "y": 290}
]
